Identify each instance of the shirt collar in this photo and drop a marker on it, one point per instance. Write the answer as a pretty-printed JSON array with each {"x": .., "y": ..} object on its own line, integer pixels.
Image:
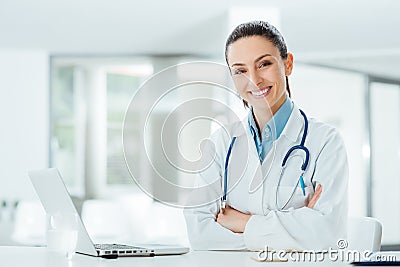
[
  {"x": 276, "y": 125},
  {"x": 281, "y": 117}
]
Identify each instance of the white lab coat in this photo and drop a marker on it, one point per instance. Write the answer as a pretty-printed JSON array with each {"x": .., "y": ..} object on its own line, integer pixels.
[{"x": 300, "y": 227}]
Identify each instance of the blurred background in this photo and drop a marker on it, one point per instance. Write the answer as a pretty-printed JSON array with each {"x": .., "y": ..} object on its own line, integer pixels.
[{"x": 68, "y": 70}]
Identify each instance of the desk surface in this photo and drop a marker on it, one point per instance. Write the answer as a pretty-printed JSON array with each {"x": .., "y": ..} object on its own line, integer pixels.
[{"x": 35, "y": 256}]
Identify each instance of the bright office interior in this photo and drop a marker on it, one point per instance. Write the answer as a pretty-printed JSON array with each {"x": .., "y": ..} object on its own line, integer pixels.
[{"x": 68, "y": 70}]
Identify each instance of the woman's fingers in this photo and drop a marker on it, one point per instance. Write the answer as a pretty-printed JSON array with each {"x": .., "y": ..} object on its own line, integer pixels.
[{"x": 315, "y": 197}]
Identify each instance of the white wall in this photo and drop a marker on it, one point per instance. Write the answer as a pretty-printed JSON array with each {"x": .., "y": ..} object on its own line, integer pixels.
[{"x": 24, "y": 116}]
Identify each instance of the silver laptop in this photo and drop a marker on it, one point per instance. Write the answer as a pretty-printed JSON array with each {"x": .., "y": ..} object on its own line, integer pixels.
[{"x": 55, "y": 198}]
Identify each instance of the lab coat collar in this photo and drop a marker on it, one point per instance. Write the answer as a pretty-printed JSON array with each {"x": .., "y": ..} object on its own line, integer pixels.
[
  {"x": 293, "y": 128},
  {"x": 295, "y": 124},
  {"x": 240, "y": 127}
]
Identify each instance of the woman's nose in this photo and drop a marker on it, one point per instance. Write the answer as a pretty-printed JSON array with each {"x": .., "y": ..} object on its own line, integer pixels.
[{"x": 255, "y": 78}]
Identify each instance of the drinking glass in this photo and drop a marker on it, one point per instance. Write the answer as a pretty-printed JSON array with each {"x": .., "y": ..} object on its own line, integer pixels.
[{"x": 62, "y": 233}]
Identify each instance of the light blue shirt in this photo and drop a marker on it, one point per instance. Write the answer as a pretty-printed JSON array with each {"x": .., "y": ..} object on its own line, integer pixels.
[{"x": 272, "y": 130}]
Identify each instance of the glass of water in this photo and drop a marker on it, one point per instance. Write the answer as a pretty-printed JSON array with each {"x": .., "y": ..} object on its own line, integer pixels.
[{"x": 62, "y": 233}]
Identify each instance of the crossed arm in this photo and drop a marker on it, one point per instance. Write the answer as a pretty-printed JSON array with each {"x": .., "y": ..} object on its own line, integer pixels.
[
  {"x": 236, "y": 221},
  {"x": 210, "y": 229}
]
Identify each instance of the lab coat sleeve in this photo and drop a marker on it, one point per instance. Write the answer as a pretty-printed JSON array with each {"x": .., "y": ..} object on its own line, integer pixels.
[
  {"x": 203, "y": 231},
  {"x": 304, "y": 228},
  {"x": 206, "y": 234}
]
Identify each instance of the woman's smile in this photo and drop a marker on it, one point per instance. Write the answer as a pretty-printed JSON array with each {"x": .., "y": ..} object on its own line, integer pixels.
[{"x": 261, "y": 92}]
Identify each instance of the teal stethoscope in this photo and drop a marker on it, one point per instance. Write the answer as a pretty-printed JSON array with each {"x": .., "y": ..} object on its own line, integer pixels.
[{"x": 285, "y": 159}]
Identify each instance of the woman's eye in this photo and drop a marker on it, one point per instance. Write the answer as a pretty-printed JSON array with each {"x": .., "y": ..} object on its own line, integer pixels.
[
  {"x": 238, "y": 72},
  {"x": 265, "y": 64}
]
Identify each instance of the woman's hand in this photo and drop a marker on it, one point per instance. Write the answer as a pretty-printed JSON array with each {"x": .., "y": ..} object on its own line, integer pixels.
[
  {"x": 232, "y": 219},
  {"x": 236, "y": 221}
]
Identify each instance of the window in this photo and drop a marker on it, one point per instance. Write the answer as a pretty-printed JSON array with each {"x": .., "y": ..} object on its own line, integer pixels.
[
  {"x": 120, "y": 88},
  {"x": 89, "y": 98},
  {"x": 385, "y": 156},
  {"x": 63, "y": 126}
]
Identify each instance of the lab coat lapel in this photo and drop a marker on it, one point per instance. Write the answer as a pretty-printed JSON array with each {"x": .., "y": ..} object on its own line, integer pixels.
[
  {"x": 267, "y": 173},
  {"x": 294, "y": 127},
  {"x": 254, "y": 177},
  {"x": 246, "y": 155},
  {"x": 290, "y": 136}
]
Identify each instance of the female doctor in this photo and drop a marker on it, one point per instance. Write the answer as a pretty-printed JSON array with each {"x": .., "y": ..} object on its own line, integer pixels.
[{"x": 282, "y": 175}]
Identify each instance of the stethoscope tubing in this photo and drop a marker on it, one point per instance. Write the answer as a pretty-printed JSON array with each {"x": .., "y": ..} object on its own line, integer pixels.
[
  {"x": 228, "y": 155},
  {"x": 301, "y": 146}
]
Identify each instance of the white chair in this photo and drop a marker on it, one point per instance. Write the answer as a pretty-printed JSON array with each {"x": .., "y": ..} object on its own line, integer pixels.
[
  {"x": 364, "y": 233},
  {"x": 30, "y": 224}
]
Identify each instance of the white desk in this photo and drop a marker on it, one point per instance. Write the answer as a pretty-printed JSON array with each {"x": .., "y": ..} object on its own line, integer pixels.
[{"x": 40, "y": 257}]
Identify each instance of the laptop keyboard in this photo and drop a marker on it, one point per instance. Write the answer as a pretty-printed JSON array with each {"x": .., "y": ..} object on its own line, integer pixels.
[
  {"x": 114, "y": 247},
  {"x": 117, "y": 250}
]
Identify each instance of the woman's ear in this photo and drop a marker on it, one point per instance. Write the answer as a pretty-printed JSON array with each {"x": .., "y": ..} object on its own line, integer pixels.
[{"x": 289, "y": 64}]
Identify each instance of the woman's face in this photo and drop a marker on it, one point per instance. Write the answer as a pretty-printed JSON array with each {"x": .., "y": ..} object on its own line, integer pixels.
[{"x": 259, "y": 72}]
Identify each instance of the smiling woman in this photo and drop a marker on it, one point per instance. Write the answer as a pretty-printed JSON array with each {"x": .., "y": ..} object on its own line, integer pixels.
[
  {"x": 260, "y": 73},
  {"x": 284, "y": 177}
]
